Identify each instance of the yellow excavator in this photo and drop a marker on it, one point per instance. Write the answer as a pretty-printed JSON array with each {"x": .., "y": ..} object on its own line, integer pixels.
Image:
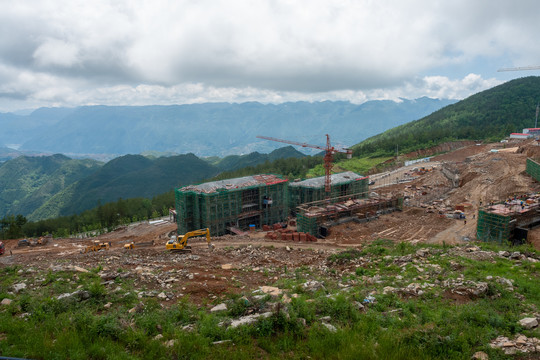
[{"x": 179, "y": 242}]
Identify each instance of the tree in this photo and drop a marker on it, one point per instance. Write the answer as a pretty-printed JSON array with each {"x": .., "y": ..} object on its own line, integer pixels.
[{"x": 11, "y": 226}]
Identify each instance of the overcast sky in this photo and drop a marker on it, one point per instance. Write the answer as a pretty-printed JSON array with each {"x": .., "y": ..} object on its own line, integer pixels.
[{"x": 134, "y": 52}]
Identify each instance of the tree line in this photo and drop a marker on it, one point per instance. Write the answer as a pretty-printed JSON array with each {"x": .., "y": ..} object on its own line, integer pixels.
[{"x": 101, "y": 218}]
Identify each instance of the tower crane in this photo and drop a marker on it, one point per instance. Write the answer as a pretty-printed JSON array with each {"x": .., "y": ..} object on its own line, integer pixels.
[{"x": 328, "y": 156}]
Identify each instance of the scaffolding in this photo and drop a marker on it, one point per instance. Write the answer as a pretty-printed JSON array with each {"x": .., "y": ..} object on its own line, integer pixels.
[
  {"x": 342, "y": 185},
  {"x": 315, "y": 218},
  {"x": 533, "y": 169},
  {"x": 226, "y": 205},
  {"x": 508, "y": 221},
  {"x": 492, "y": 227}
]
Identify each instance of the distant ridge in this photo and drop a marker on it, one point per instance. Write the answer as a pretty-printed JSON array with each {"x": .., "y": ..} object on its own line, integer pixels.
[
  {"x": 489, "y": 115},
  {"x": 205, "y": 129}
]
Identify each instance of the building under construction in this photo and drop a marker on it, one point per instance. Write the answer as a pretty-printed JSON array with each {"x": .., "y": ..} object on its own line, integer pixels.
[
  {"x": 509, "y": 221},
  {"x": 317, "y": 217},
  {"x": 234, "y": 205},
  {"x": 343, "y": 185},
  {"x": 225, "y": 206}
]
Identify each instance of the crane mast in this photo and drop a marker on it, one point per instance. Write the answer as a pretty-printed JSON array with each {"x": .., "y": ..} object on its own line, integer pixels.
[{"x": 328, "y": 156}]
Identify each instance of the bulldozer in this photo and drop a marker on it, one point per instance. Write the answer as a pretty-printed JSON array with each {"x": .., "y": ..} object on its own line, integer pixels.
[
  {"x": 179, "y": 242},
  {"x": 96, "y": 246}
]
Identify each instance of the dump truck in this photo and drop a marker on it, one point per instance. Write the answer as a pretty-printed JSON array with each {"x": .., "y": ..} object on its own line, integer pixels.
[
  {"x": 96, "y": 246},
  {"x": 179, "y": 242}
]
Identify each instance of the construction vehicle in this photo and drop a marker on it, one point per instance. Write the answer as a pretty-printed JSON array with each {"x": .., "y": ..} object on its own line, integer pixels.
[
  {"x": 132, "y": 245},
  {"x": 2, "y": 248},
  {"x": 96, "y": 246},
  {"x": 179, "y": 242}
]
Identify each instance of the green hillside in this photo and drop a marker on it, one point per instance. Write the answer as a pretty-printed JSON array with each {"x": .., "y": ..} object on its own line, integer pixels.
[
  {"x": 488, "y": 115},
  {"x": 126, "y": 177},
  {"x": 235, "y": 162},
  {"x": 28, "y": 182}
]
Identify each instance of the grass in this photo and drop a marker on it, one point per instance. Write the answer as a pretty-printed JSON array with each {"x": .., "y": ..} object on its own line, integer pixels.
[
  {"x": 359, "y": 165},
  {"x": 392, "y": 326}
]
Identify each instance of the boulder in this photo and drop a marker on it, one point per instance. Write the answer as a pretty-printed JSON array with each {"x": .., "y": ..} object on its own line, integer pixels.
[
  {"x": 220, "y": 307},
  {"x": 330, "y": 327},
  {"x": 6, "y": 302},
  {"x": 528, "y": 323}
]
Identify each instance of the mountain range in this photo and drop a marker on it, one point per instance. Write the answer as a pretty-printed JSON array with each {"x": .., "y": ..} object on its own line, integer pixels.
[
  {"x": 41, "y": 187},
  {"x": 204, "y": 129}
]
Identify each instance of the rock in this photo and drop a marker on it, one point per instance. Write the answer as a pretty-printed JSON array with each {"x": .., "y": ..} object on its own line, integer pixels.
[
  {"x": 330, "y": 327},
  {"x": 170, "y": 343},
  {"x": 521, "y": 340},
  {"x": 220, "y": 307},
  {"x": 18, "y": 287},
  {"x": 249, "y": 319},
  {"x": 188, "y": 328},
  {"x": 302, "y": 321},
  {"x": 191, "y": 276},
  {"x": 79, "y": 294},
  {"x": 528, "y": 323},
  {"x": 158, "y": 337},
  {"x": 162, "y": 296},
  {"x": 515, "y": 255},
  {"x": 359, "y": 306},
  {"x": 504, "y": 253},
  {"x": 287, "y": 248},
  {"x": 137, "y": 309},
  {"x": 313, "y": 285},
  {"x": 221, "y": 342},
  {"x": 271, "y": 290},
  {"x": 80, "y": 269},
  {"x": 326, "y": 318},
  {"x": 480, "y": 355},
  {"x": 388, "y": 290},
  {"x": 6, "y": 302},
  {"x": 422, "y": 252},
  {"x": 107, "y": 305}
]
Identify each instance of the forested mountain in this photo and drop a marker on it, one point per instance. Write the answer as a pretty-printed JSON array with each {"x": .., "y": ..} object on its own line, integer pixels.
[
  {"x": 28, "y": 182},
  {"x": 491, "y": 114},
  {"x": 49, "y": 186},
  {"x": 126, "y": 177},
  {"x": 204, "y": 129},
  {"x": 235, "y": 162}
]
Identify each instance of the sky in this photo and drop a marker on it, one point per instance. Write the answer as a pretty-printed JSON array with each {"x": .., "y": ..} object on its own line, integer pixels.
[{"x": 67, "y": 53}]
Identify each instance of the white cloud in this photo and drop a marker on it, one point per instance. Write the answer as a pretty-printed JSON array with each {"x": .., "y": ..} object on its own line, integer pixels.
[{"x": 130, "y": 52}]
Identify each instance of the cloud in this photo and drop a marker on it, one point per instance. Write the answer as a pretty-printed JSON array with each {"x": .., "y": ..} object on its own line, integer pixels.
[{"x": 79, "y": 52}]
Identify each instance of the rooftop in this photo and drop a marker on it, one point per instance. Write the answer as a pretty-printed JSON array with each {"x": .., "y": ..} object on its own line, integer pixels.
[
  {"x": 335, "y": 179},
  {"x": 234, "y": 184}
]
